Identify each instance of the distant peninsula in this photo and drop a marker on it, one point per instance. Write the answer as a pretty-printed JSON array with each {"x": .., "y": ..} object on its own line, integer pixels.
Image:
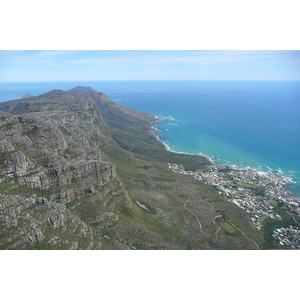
[{"x": 27, "y": 96}]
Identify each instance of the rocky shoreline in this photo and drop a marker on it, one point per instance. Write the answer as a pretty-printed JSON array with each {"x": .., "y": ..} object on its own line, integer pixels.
[
  {"x": 154, "y": 129},
  {"x": 78, "y": 171},
  {"x": 255, "y": 192},
  {"x": 287, "y": 180}
]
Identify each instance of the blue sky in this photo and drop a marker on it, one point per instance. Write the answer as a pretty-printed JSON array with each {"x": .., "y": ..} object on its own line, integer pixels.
[{"x": 65, "y": 65}]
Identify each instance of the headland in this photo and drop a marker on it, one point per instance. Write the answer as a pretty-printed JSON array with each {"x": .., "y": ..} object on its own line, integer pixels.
[{"x": 79, "y": 171}]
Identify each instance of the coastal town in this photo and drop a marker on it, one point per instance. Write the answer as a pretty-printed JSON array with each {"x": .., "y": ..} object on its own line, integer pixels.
[
  {"x": 289, "y": 236},
  {"x": 255, "y": 192}
]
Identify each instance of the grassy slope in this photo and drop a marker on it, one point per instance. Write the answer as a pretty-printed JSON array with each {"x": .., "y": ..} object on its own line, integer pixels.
[
  {"x": 164, "y": 208},
  {"x": 156, "y": 217}
]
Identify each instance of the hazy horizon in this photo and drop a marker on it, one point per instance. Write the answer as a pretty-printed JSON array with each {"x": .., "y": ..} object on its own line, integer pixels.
[
  {"x": 110, "y": 80},
  {"x": 141, "y": 65}
]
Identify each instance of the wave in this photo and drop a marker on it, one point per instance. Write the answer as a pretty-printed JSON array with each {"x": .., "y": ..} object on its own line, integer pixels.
[
  {"x": 161, "y": 117},
  {"x": 218, "y": 160},
  {"x": 168, "y": 147}
]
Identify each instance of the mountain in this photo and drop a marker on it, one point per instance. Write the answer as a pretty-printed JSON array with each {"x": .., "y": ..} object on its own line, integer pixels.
[
  {"x": 79, "y": 171},
  {"x": 28, "y": 96}
]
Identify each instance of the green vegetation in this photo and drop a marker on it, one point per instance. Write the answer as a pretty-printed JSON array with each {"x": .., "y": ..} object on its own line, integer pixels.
[
  {"x": 31, "y": 132},
  {"x": 68, "y": 153},
  {"x": 257, "y": 190},
  {"x": 42, "y": 246},
  {"x": 269, "y": 225},
  {"x": 27, "y": 191},
  {"x": 228, "y": 229},
  {"x": 126, "y": 211},
  {"x": 141, "y": 164},
  {"x": 147, "y": 206}
]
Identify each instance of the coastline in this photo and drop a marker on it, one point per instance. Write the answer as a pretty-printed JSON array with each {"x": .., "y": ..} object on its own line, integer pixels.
[
  {"x": 167, "y": 147},
  {"x": 288, "y": 179},
  {"x": 258, "y": 201}
]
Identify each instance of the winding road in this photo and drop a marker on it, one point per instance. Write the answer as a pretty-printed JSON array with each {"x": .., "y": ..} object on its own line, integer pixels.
[
  {"x": 199, "y": 223},
  {"x": 218, "y": 216}
]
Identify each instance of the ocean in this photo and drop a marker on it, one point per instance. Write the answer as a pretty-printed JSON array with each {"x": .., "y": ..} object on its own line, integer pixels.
[{"x": 244, "y": 123}]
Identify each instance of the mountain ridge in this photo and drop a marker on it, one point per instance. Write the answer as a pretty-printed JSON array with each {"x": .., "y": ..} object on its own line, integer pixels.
[{"x": 79, "y": 171}]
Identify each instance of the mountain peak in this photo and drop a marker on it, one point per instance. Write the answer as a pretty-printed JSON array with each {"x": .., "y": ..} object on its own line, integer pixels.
[
  {"x": 82, "y": 88},
  {"x": 27, "y": 96}
]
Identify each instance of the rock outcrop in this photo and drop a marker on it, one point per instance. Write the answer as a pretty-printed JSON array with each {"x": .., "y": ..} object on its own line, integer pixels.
[
  {"x": 79, "y": 171},
  {"x": 55, "y": 189},
  {"x": 27, "y": 96}
]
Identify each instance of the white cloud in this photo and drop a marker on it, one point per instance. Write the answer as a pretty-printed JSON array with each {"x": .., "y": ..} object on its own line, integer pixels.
[
  {"x": 146, "y": 64},
  {"x": 162, "y": 58}
]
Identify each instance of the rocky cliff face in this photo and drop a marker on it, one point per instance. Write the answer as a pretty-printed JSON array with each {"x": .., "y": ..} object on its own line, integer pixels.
[
  {"x": 55, "y": 189},
  {"x": 78, "y": 171}
]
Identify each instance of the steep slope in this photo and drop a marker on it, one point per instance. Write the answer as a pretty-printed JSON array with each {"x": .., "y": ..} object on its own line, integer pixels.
[
  {"x": 173, "y": 211},
  {"x": 50, "y": 158},
  {"x": 79, "y": 171}
]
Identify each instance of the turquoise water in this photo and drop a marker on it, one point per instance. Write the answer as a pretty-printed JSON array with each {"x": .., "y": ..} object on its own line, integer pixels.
[{"x": 245, "y": 123}]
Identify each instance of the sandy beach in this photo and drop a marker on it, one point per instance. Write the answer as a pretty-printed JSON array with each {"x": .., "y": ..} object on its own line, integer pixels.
[{"x": 167, "y": 147}]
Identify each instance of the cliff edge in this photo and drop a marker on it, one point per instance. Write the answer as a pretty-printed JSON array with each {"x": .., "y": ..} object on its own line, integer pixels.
[{"x": 79, "y": 171}]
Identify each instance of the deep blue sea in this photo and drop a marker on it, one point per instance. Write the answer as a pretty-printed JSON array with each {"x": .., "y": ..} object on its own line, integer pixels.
[{"x": 243, "y": 123}]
